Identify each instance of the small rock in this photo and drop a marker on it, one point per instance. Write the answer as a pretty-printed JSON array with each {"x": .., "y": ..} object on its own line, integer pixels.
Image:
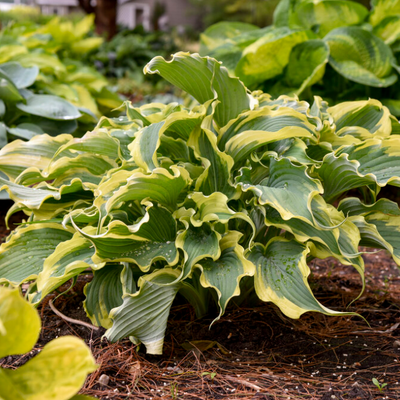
[
  {"x": 175, "y": 369},
  {"x": 104, "y": 380}
]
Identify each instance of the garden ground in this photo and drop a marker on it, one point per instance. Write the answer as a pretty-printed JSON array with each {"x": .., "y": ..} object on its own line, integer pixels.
[{"x": 253, "y": 352}]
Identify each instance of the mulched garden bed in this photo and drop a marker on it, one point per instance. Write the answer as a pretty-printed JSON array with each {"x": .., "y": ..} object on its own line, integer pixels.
[{"x": 254, "y": 352}]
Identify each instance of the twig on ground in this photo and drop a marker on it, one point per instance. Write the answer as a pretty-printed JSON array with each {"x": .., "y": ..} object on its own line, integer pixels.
[{"x": 71, "y": 320}]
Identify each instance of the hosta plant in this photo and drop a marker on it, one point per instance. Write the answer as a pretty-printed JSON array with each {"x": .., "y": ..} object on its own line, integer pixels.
[
  {"x": 56, "y": 373},
  {"x": 333, "y": 48},
  {"x": 24, "y": 114},
  {"x": 237, "y": 192},
  {"x": 57, "y": 49}
]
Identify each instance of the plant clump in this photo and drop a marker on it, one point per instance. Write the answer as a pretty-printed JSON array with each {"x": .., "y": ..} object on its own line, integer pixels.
[{"x": 236, "y": 193}]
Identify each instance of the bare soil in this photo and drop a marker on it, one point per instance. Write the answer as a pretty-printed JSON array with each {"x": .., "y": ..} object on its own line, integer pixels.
[{"x": 254, "y": 352}]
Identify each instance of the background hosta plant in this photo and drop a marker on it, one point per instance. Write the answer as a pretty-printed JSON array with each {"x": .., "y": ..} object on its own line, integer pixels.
[
  {"x": 57, "y": 49},
  {"x": 24, "y": 114},
  {"x": 238, "y": 191},
  {"x": 56, "y": 373},
  {"x": 333, "y": 48}
]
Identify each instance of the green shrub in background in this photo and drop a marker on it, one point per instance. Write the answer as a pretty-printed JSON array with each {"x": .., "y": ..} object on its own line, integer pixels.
[
  {"x": 333, "y": 48},
  {"x": 129, "y": 51},
  {"x": 56, "y": 373},
  {"x": 234, "y": 194},
  {"x": 122, "y": 60},
  {"x": 257, "y": 12}
]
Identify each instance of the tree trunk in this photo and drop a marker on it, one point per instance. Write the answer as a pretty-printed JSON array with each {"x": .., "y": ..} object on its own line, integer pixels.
[
  {"x": 86, "y": 6},
  {"x": 106, "y": 17}
]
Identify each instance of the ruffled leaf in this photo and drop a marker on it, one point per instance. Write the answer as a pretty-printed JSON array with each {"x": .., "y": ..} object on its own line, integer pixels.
[
  {"x": 281, "y": 277},
  {"x": 360, "y": 56},
  {"x": 204, "y": 79}
]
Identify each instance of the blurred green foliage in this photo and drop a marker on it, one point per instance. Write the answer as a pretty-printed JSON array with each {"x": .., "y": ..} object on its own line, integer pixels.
[
  {"x": 257, "y": 12},
  {"x": 337, "y": 49}
]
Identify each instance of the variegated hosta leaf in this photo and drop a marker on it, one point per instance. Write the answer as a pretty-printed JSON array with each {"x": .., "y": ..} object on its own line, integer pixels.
[
  {"x": 353, "y": 206},
  {"x": 19, "y": 155},
  {"x": 204, "y": 79},
  {"x": 124, "y": 137},
  {"x": 225, "y": 273},
  {"x": 325, "y": 15},
  {"x": 105, "y": 292},
  {"x": 294, "y": 150},
  {"x": 110, "y": 183},
  {"x": 57, "y": 372},
  {"x": 360, "y": 56},
  {"x": 19, "y": 324},
  {"x": 147, "y": 114},
  {"x": 231, "y": 50},
  {"x": 87, "y": 167},
  {"x": 134, "y": 113},
  {"x": 382, "y": 9},
  {"x": 144, "y": 147},
  {"x": 181, "y": 124},
  {"x": 177, "y": 125},
  {"x": 119, "y": 123},
  {"x": 374, "y": 161},
  {"x": 149, "y": 240},
  {"x": 255, "y": 129},
  {"x": 23, "y": 255},
  {"x": 214, "y": 208},
  {"x": 46, "y": 202},
  {"x": 382, "y": 231},
  {"x": 340, "y": 241},
  {"x": 266, "y": 119},
  {"x": 370, "y": 115},
  {"x": 218, "y": 165},
  {"x": 281, "y": 277},
  {"x": 356, "y": 122},
  {"x": 160, "y": 185},
  {"x": 379, "y": 223},
  {"x": 306, "y": 65},
  {"x": 197, "y": 243},
  {"x": 284, "y": 14},
  {"x": 288, "y": 189},
  {"x": 69, "y": 259},
  {"x": 257, "y": 65},
  {"x": 388, "y": 29},
  {"x": 177, "y": 149},
  {"x": 143, "y": 315},
  {"x": 216, "y": 34},
  {"x": 98, "y": 142}
]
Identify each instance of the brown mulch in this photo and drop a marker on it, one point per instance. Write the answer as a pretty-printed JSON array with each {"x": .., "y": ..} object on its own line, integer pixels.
[{"x": 259, "y": 353}]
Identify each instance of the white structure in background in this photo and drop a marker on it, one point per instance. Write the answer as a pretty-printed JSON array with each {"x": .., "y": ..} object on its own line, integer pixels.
[
  {"x": 6, "y": 5},
  {"x": 57, "y": 7},
  {"x": 129, "y": 13}
]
